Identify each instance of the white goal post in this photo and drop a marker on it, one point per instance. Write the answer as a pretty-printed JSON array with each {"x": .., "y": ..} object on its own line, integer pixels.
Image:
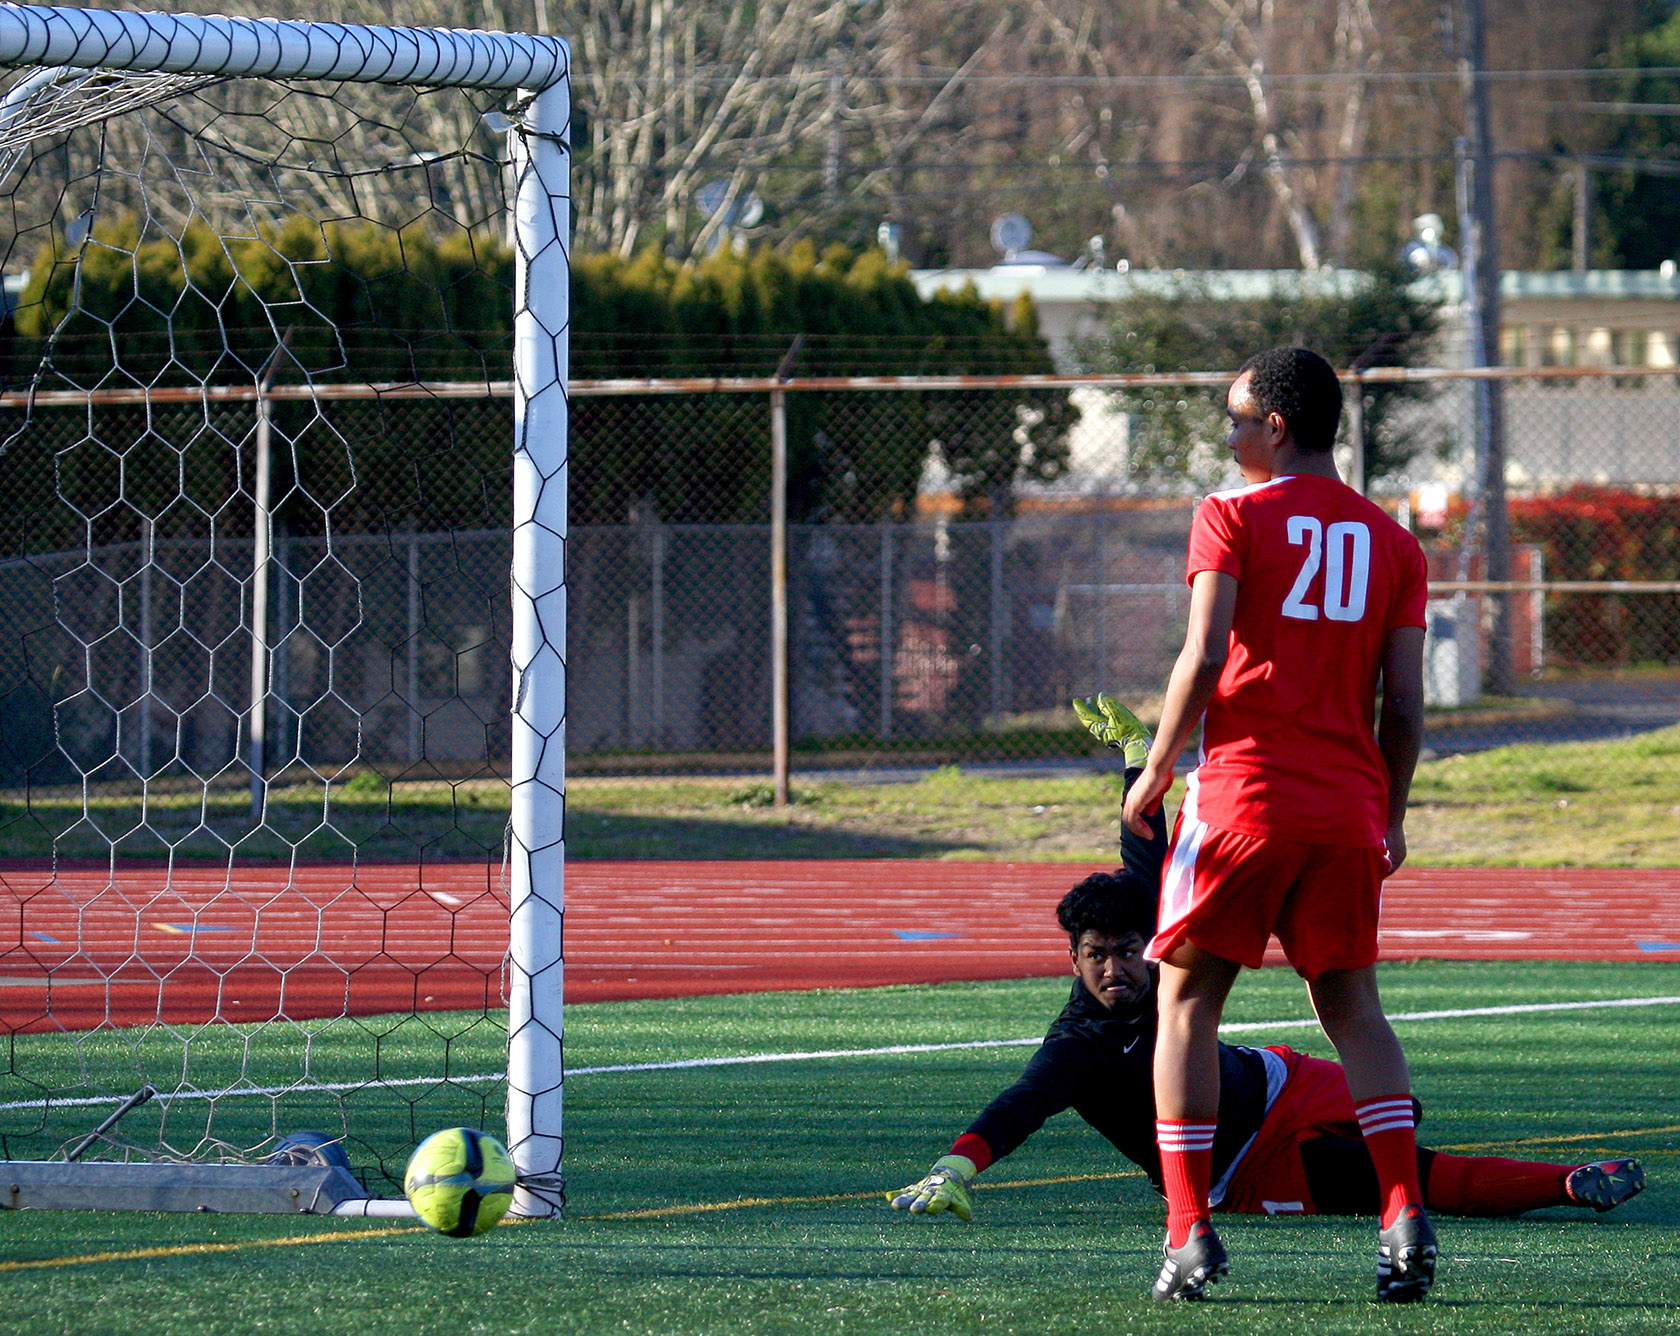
[{"x": 528, "y": 76}]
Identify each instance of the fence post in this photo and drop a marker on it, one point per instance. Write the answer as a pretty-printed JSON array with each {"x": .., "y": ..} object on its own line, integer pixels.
[
  {"x": 148, "y": 561},
  {"x": 1356, "y": 433},
  {"x": 779, "y": 578},
  {"x": 656, "y": 629},
  {"x": 413, "y": 645},
  {"x": 996, "y": 610},
  {"x": 260, "y": 539},
  {"x": 778, "y": 597},
  {"x": 886, "y": 632},
  {"x": 280, "y": 653}
]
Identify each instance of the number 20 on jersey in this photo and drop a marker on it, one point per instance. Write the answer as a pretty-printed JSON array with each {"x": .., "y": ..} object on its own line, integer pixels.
[{"x": 1343, "y": 553}]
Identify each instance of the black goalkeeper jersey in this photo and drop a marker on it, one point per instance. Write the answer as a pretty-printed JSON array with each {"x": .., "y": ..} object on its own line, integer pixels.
[{"x": 1099, "y": 1063}]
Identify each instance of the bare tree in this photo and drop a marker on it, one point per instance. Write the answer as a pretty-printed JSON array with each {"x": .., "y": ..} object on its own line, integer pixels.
[
  {"x": 1198, "y": 133},
  {"x": 675, "y": 98}
]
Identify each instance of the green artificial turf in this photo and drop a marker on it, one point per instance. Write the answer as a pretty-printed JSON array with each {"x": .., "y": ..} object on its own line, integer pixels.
[{"x": 745, "y": 1198}]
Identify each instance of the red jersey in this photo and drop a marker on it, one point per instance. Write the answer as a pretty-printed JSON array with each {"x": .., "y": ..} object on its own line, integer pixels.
[{"x": 1289, "y": 745}]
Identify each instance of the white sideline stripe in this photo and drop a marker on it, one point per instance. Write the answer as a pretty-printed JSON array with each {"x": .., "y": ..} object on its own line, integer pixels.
[{"x": 817, "y": 1055}]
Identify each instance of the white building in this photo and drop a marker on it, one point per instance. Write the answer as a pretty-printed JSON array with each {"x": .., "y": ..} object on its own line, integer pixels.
[{"x": 1558, "y": 431}]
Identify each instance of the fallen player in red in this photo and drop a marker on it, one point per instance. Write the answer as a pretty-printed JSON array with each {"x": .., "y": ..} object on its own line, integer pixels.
[{"x": 1288, "y": 1140}]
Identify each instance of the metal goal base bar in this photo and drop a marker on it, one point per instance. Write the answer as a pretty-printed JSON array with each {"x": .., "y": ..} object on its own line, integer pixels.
[{"x": 273, "y": 1189}]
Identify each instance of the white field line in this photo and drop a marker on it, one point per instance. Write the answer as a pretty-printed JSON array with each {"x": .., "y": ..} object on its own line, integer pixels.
[{"x": 817, "y": 1055}]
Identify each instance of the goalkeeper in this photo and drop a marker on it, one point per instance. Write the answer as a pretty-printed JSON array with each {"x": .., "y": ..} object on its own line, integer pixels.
[{"x": 1288, "y": 1139}]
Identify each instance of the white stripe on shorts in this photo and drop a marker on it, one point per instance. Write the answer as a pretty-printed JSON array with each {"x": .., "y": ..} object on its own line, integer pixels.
[{"x": 1178, "y": 884}]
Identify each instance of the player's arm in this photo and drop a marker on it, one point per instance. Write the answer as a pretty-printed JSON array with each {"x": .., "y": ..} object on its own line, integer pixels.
[
  {"x": 1195, "y": 677},
  {"x": 1144, "y": 854},
  {"x": 1112, "y": 724},
  {"x": 1400, "y": 727},
  {"x": 1050, "y": 1083}
]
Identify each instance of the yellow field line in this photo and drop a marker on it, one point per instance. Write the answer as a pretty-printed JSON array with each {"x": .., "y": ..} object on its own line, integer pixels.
[
  {"x": 744, "y": 1203},
  {"x": 1481, "y": 1147},
  {"x": 204, "y": 1249}
]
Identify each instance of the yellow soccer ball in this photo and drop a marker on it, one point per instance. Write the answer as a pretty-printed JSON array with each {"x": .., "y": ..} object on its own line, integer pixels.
[{"x": 460, "y": 1181}]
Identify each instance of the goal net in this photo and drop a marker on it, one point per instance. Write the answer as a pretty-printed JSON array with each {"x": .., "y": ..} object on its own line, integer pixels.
[{"x": 282, "y": 406}]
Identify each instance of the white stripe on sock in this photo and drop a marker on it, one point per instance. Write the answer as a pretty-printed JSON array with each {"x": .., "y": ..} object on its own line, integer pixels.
[
  {"x": 1386, "y": 1115},
  {"x": 1185, "y": 1137}
]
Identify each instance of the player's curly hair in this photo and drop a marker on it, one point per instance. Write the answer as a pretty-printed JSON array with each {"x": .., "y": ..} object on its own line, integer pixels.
[
  {"x": 1112, "y": 903},
  {"x": 1301, "y": 387}
]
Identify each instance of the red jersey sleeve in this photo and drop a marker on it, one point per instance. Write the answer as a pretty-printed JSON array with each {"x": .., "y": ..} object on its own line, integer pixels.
[
  {"x": 1412, "y": 592},
  {"x": 1216, "y": 543}
]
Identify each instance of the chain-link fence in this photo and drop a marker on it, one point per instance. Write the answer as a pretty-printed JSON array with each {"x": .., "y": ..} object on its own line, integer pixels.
[{"x": 932, "y": 613}]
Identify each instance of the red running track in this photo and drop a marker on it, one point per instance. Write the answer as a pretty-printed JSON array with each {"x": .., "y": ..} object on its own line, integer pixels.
[{"x": 80, "y": 948}]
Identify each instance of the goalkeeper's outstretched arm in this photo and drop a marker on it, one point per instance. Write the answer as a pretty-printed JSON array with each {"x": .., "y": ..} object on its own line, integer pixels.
[{"x": 1054, "y": 1078}]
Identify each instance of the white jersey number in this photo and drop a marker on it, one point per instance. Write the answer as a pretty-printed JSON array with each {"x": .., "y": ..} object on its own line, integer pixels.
[{"x": 1345, "y": 554}]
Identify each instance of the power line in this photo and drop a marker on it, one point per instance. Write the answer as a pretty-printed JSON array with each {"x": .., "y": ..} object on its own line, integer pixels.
[
  {"x": 722, "y": 77},
  {"x": 1224, "y": 166},
  {"x": 1631, "y": 108}
]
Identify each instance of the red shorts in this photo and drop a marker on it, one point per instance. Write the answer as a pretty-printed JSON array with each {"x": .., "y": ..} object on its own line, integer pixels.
[
  {"x": 1229, "y": 893},
  {"x": 1314, "y": 1101}
]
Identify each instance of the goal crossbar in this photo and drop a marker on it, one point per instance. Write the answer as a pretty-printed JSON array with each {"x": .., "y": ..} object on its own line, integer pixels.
[{"x": 57, "y": 35}]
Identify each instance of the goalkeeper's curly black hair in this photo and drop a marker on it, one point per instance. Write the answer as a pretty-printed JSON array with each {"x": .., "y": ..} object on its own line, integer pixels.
[{"x": 1112, "y": 903}]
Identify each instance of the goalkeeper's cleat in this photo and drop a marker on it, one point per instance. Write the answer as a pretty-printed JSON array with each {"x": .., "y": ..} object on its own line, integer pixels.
[
  {"x": 1406, "y": 1253},
  {"x": 944, "y": 1189},
  {"x": 1187, "y": 1271},
  {"x": 1604, "y": 1185},
  {"x": 1112, "y": 724}
]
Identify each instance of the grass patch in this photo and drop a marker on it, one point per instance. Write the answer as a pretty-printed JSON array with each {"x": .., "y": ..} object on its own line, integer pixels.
[
  {"x": 1578, "y": 804},
  {"x": 1613, "y": 803},
  {"x": 1587, "y": 804},
  {"x": 747, "y": 1199}
]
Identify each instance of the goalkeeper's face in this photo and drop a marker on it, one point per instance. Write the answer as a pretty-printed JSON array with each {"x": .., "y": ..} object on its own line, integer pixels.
[{"x": 1112, "y": 968}]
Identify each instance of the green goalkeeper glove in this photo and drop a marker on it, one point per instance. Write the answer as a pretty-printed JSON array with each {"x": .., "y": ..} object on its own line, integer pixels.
[
  {"x": 944, "y": 1189},
  {"x": 1110, "y": 722}
]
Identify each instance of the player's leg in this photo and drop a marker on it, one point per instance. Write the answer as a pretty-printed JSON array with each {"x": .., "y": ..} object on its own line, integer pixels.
[
  {"x": 1219, "y": 893},
  {"x": 1350, "y": 1010},
  {"x": 1342, "y": 1181},
  {"x": 1489, "y": 1185},
  {"x": 1308, "y": 1156},
  {"x": 1193, "y": 986},
  {"x": 1328, "y": 928}
]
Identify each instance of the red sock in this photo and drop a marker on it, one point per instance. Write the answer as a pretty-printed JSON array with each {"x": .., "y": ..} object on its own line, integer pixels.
[
  {"x": 1487, "y": 1185},
  {"x": 1391, "y": 1136},
  {"x": 1186, "y": 1171}
]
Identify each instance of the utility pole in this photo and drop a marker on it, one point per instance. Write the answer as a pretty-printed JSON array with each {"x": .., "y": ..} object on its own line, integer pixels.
[
  {"x": 1481, "y": 247},
  {"x": 1582, "y": 239}
]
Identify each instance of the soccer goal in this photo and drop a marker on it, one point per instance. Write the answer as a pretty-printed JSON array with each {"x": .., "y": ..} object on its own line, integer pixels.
[{"x": 282, "y": 406}]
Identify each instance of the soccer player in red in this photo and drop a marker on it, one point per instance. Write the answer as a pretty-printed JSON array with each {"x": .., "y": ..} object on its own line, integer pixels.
[{"x": 1304, "y": 597}]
